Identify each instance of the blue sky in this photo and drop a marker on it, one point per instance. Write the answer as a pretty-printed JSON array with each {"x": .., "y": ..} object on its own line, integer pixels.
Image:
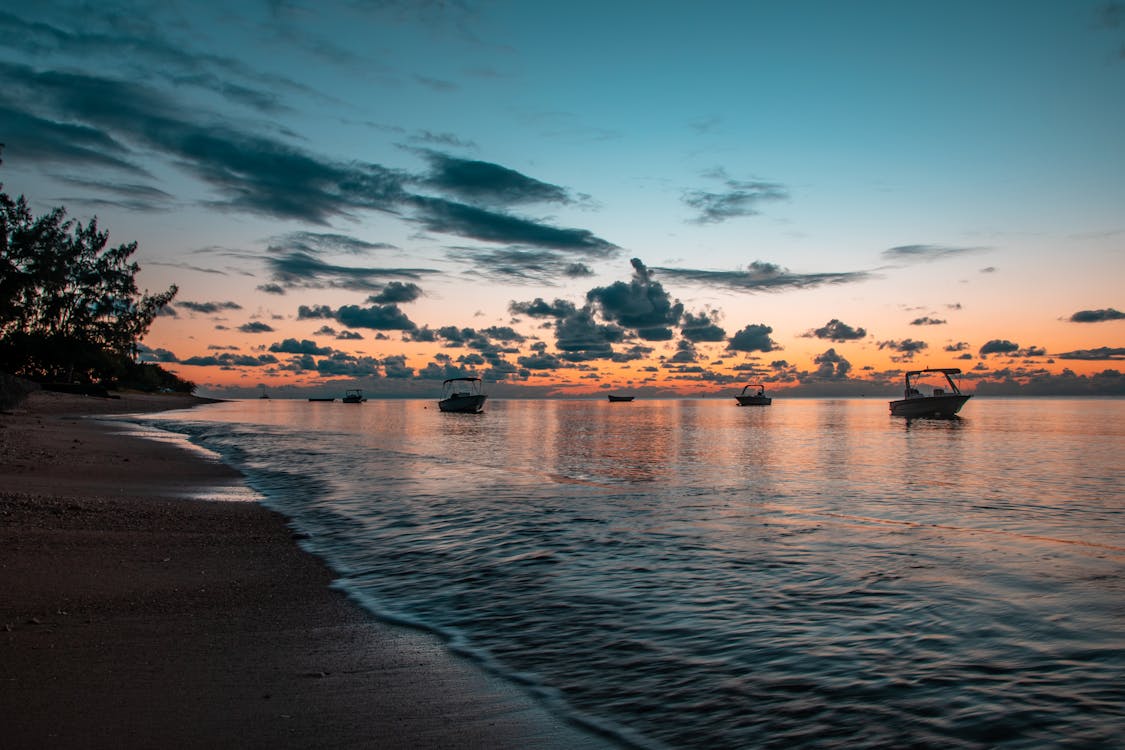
[{"x": 397, "y": 184}]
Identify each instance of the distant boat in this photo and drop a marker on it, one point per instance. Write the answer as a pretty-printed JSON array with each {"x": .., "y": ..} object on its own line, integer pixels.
[
  {"x": 758, "y": 398},
  {"x": 463, "y": 395},
  {"x": 940, "y": 404},
  {"x": 619, "y": 399},
  {"x": 354, "y": 396},
  {"x": 264, "y": 394},
  {"x": 321, "y": 398}
]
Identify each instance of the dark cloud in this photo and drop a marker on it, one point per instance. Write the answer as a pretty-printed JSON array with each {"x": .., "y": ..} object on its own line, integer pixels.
[
  {"x": 271, "y": 288},
  {"x": 377, "y": 317},
  {"x": 761, "y": 276},
  {"x": 229, "y": 361},
  {"x": 297, "y": 268},
  {"x": 522, "y": 266},
  {"x": 702, "y": 327},
  {"x": 920, "y": 253},
  {"x": 960, "y": 346},
  {"x": 998, "y": 346},
  {"x": 255, "y": 327},
  {"x": 396, "y": 291},
  {"x": 753, "y": 338},
  {"x": 642, "y": 305},
  {"x": 538, "y": 308},
  {"x": 449, "y": 217},
  {"x": 315, "y": 312},
  {"x": 1099, "y": 354},
  {"x": 1096, "y": 316},
  {"x": 304, "y": 346},
  {"x": 540, "y": 359},
  {"x": 208, "y": 308},
  {"x": 837, "y": 330},
  {"x": 342, "y": 364},
  {"x": 907, "y": 347},
  {"x": 487, "y": 183},
  {"x": 326, "y": 242},
  {"x": 349, "y": 336},
  {"x": 685, "y": 353},
  {"x": 927, "y": 321},
  {"x": 738, "y": 198},
  {"x": 580, "y": 337},
  {"x": 831, "y": 366}
]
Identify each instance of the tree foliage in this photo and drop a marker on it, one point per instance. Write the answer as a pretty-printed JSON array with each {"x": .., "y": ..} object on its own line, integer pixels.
[{"x": 70, "y": 309}]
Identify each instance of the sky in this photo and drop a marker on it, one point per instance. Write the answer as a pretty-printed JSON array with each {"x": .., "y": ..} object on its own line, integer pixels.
[{"x": 569, "y": 199}]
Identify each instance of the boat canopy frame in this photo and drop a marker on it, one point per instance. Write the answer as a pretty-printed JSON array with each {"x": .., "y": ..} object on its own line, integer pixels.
[{"x": 947, "y": 371}]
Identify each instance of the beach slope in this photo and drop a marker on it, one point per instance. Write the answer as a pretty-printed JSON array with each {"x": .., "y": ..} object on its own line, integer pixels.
[{"x": 134, "y": 615}]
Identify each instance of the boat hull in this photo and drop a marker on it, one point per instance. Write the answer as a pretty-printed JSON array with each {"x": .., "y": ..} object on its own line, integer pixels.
[
  {"x": 753, "y": 400},
  {"x": 463, "y": 404},
  {"x": 620, "y": 399},
  {"x": 937, "y": 407}
]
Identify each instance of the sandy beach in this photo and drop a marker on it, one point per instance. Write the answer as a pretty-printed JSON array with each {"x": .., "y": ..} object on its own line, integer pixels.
[{"x": 133, "y": 615}]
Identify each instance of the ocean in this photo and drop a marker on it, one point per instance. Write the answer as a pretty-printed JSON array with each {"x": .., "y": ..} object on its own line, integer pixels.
[{"x": 689, "y": 573}]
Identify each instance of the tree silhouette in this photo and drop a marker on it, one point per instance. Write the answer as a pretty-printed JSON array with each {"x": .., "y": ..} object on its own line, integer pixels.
[{"x": 70, "y": 309}]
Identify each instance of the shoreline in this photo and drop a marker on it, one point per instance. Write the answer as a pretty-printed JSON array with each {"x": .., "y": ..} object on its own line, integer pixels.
[{"x": 133, "y": 615}]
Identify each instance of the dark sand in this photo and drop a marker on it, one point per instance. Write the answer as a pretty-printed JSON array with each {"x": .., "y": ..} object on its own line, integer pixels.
[{"x": 134, "y": 616}]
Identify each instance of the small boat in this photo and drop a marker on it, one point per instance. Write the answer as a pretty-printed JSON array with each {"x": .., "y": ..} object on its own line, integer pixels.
[
  {"x": 354, "y": 396},
  {"x": 758, "y": 398},
  {"x": 320, "y": 398},
  {"x": 463, "y": 395},
  {"x": 941, "y": 404},
  {"x": 619, "y": 399}
]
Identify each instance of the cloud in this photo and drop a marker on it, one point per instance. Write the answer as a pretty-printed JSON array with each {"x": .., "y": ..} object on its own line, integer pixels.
[
  {"x": 927, "y": 321},
  {"x": 297, "y": 268},
  {"x": 540, "y": 359},
  {"x": 1096, "y": 316},
  {"x": 907, "y": 347},
  {"x": 641, "y": 304},
  {"x": 522, "y": 266},
  {"x": 326, "y": 242},
  {"x": 487, "y": 183},
  {"x": 836, "y": 330},
  {"x": 450, "y": 217},
  {"x": 998, "y": 346},
  {"x": 926, "y": 253},
  {"x": 702, "y": 327},
  {"x": 538, "y": 308},
  {"x": 396, "y": 291},
  {"x": 255, "y": 327},
  {"x": 304, "y": 346},
  {"x": 377, "y": 317},
  {"x": 208, "y": 308},
  {"x": 229, "y": 361},
  {"x": 739, "y": 198},
  {"x": 960, "y": 346},
  {"x": 753, "y": 338},
  {"x": 1099, "y": 354},
  {"x": 832, "y": 366},
  {"x": 761, "y": 276},
  {"x": 271, "y": 288}
]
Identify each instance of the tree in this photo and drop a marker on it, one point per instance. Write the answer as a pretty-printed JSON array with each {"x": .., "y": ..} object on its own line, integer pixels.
[{"x": 70, "y": 309}]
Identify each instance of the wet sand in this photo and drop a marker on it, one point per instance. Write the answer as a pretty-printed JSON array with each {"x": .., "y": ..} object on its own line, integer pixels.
[{"x": 133, "y": 615}]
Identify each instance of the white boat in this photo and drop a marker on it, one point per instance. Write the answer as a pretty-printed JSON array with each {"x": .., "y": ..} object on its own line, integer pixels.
[
  {"x": 941, "y": 403},
  {"x": 463, "y": 395},
  {"x": 758, "y": 398}
]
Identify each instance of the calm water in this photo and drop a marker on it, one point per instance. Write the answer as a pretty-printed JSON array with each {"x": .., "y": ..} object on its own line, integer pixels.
[{"x": 695, "y": 574}]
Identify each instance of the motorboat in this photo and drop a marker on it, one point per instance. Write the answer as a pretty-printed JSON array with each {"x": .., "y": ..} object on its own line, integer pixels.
[
  {"x": 462, "y": 395},
  {"x": 619, "y": 399},
  {"x": 942, "y": 403},
  {"x": 754, "y": 398},
  {"x": 354, "y": 396}
]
